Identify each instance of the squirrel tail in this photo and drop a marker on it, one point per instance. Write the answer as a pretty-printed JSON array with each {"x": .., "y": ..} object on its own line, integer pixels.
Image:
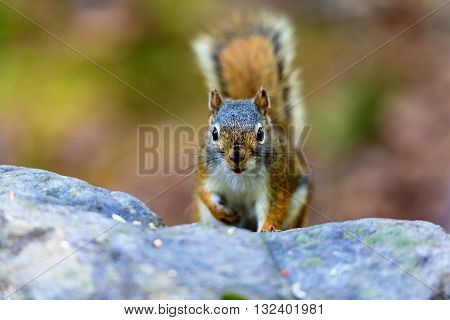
[{"x": 253, "y": 51}]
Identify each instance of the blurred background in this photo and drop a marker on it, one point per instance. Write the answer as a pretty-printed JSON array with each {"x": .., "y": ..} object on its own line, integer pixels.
[{"x": 380, "y": 144}]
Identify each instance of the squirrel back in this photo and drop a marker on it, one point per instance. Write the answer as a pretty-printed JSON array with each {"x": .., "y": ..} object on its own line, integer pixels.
[{"x": 250, "y": 52}]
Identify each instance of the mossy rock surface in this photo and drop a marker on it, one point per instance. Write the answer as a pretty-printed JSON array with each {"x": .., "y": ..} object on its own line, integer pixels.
[{"x": 59, "y": 240}]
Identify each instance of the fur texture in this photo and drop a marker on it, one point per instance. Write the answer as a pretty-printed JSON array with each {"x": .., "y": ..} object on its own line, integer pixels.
[
  {"x": 247, "y": 175},
  {"x": 252, "y": 51}
]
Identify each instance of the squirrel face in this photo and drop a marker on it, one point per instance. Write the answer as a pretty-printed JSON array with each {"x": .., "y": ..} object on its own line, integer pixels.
[{"x": 239, "y": 132}]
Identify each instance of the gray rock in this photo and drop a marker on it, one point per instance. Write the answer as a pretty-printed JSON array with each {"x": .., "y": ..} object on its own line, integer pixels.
[
  {"x": 43, "y": 187},
  {"x": 365, "y": 259},
  {"x": 122, "y": 262},
  {"x": 56, "y": 246}
]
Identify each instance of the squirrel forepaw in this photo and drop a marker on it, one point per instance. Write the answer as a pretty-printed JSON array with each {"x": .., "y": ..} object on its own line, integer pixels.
[{"x": 227, "y": 215}]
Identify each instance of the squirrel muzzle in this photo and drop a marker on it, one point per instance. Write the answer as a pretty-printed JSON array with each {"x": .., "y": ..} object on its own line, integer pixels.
[{"x": 237, "y": 158}]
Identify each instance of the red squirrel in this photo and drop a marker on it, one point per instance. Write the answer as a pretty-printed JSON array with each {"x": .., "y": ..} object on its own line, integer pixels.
[{"x": 247, "y": 174}]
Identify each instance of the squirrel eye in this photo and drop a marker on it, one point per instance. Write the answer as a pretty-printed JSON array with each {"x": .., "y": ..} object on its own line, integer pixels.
[
  {"x": 215, "y": 134},
  {"x": 260, "y": 135}
]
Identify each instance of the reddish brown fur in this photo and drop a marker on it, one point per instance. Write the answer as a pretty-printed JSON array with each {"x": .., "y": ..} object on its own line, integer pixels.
[{"x": 248, "y": 63}]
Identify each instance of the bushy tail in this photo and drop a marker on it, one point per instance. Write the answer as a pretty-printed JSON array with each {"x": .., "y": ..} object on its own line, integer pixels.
[{"x": 253, "y": 51}]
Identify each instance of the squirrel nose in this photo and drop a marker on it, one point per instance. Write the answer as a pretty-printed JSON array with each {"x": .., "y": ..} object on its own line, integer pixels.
[{"x": 237, "y": 155}]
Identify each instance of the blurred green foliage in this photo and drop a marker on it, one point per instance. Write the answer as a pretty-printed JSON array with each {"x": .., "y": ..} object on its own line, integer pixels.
[{"x": 360, "y": 105}]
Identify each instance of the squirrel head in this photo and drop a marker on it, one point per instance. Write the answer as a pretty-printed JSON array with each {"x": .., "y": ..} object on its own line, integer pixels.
[{"x": 239, "y": 132}]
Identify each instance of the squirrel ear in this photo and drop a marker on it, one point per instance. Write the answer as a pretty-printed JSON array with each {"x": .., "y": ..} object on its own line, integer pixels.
[
  {"x": 261, "y": 100},
  {"x": 215, "y": 100}
]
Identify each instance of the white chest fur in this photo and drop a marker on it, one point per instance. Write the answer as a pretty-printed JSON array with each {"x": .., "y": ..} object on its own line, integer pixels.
[{"x": 246, "y": 193}]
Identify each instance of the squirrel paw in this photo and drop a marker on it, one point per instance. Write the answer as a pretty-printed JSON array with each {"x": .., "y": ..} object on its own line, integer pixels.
[{"x": 226, "y": 214}]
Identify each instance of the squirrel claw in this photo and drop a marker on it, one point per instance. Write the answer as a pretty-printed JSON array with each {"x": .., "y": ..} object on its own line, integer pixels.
[{"x": 271, "y": 229}]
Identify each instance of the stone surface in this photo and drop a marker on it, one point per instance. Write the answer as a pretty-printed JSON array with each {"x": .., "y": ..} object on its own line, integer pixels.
[
  {"x": 192, "y": 261},
  {"x": 57, "y": 242},
  {"x": 43, "y": 187},
  {"x": 366, "y": 259}
]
